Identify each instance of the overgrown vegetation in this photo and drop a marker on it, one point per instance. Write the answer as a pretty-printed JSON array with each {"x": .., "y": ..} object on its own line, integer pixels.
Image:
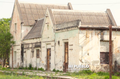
[
  {"x": 41, "y": 69},
  {"x": 15, "y": 76},
  {"x": 54, "y": 70},
  {"x": 87, "y": 74},
  {"x": 5, "y": 40}
]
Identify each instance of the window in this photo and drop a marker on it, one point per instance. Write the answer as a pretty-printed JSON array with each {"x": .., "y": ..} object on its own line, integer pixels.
[
  {"x": 104, "y": 57},
  {"x": 15, "y": 27},
  {"x": 32, "y": 53},
  {"x": 37, "y": 53}
]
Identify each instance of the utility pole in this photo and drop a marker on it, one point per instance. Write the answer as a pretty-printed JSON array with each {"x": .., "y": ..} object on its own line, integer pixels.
[{"x": 110, "y": 52}]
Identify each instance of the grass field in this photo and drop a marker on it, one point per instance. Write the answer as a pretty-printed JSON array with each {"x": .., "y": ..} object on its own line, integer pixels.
[
  {"x": 87, "y": 74},
  {"x": 15, "y": 76}
]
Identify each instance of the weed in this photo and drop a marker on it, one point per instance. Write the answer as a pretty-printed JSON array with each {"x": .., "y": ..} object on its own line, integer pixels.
[
  {"x": 102, "y": 73},
  {"x": 41, "y": 69}
]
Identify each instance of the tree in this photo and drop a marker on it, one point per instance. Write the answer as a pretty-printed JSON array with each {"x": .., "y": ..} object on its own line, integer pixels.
[{"x": 5, "y": 39}]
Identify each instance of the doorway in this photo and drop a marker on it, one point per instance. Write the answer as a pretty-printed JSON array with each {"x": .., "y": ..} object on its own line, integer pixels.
[
  {"x": 22, "y": 52},
  {"x": 65, "y": 67},
  {"x": 48, "y": 59}
]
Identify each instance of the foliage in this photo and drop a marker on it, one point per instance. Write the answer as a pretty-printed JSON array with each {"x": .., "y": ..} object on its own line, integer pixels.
[
  {"x": 41, "y": 69},
  {"x": 30, "y": 66},
  {"x": 5, "y": 39},
  {"x": 87, "y": 74},
  {"x": 35, "y": 68},
  {"x": 13, "y": 76},
  {"x": 54, "y": 70},
  {"x": 102, "y": 73}
]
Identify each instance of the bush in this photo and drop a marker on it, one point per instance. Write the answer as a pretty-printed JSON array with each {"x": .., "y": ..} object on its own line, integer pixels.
[
  {"x": 54, "y": 70},
  {"x": 85, "y": 72},
  {"x": 35, "y": 68},
  {"x": 20, "y": 67},
  {"x": 30, "y": 66},
  {"x": 3, "y": 68},
  {"x": 41, "y": 69},
  {"x": 102, "y": 73},
  {"x": 25, "y": 67},
  {"x": 117, "y": 74}
]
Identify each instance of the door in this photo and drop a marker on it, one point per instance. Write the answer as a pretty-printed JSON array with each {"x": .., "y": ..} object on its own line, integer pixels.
[
  {"x": 65, "y": 67},
  {"x": 22, "y": 52},
  {"x": 48, "y": 59}
]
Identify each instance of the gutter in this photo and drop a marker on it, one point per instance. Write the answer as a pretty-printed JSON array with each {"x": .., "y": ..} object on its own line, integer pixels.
[{"x": 114, "y": 28}]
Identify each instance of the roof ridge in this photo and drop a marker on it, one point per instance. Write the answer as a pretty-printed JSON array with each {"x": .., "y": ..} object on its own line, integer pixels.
[
  {"x": 78, "y": 10},
  {"x": 42, "y": 3}
]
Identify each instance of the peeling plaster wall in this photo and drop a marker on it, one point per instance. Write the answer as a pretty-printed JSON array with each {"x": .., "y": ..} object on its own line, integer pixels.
[
  {"x": 16, "y": 37},
  {"x": 47, "y": 41},
  {"x": 70, "y": 36},
  {"x": 28, "y": 59},
  {"x": 90, "y": 47}
]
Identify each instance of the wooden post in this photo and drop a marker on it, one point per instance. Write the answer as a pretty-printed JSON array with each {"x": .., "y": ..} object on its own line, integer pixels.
[
  {"x": 12, "y": 57},
  {"x": 110, "y": 52}
]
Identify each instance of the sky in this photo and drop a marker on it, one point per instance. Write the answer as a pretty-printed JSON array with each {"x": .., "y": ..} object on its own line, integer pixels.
[{"x": 6, "y": 6}]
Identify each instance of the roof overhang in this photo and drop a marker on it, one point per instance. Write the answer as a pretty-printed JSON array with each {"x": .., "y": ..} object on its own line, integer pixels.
[{"x": 114, "y": 28}]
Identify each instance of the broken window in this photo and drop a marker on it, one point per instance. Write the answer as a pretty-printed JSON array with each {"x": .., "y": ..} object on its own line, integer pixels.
[
  {"x": 104, "y": 52},
  {"x": 104, "y": 57},
  {"x": 37, "y": 53}
]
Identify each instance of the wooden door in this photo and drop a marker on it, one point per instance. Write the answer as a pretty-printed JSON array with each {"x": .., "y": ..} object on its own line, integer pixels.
[
  {"x": 48, "y": 58},
  {"x": 65, "y": 67}
]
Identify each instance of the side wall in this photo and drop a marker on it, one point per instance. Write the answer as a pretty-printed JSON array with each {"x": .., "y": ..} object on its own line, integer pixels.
[
  {"x": 17, "y": 38},
  {"x": 72, "y": 37},
  {"x": 90, "y": 47},
  {"x": 30, "y": 53}
]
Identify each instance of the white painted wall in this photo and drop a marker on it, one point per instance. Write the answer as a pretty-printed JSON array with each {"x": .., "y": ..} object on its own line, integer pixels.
[
  {"x": 70, "y": 36},
  {"x": 89, "y": 41}
]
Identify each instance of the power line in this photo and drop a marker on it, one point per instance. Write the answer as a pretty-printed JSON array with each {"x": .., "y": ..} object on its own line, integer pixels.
[{"x": 76, "y": 4}]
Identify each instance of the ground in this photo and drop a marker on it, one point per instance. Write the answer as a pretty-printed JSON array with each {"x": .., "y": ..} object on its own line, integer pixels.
[{"x": 7, "y": 73}]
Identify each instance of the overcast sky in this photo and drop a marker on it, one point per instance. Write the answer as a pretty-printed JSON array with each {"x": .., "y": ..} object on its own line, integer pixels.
[{"x": 6, "y": 6}]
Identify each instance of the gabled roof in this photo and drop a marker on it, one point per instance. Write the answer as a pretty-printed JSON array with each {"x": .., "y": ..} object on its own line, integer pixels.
[
  {"x": 86, "y": 17},
  {"x": 29, "y": 12},
  {"x": 35, "y": 32}
]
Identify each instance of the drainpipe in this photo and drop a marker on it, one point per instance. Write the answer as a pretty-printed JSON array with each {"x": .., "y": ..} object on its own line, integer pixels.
[{"x": 110, "y": 52}]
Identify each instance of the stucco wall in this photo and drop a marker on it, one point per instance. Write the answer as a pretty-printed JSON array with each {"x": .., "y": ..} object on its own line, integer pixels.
[
  {"x": 16, "y": 37},
  {"x": 90, "y": 45},
  {"x": 72, "y": 37},
  {"x": 28, "y": 58}
]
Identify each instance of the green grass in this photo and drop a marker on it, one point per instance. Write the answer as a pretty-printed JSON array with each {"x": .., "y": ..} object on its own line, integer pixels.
[
  {"x": 87, "y": 74},
  {"x": 15, "y": 76}
]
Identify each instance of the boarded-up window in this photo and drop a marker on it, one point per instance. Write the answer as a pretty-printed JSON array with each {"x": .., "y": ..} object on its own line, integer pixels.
[
  {"x": 104, "y": 52},
  {"x": 37, "y": 53},
  {"x": 104, "y": 57}
]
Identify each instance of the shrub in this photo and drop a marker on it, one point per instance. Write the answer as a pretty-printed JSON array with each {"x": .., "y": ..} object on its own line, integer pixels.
[
  {"x": 30, "y": 66},
  {"x": 35, "y": 68},
  {"x": 106, "y": 77},
  {"x": 117, "y": 74},
  {"x": 41, "y": 69},
  {"x": 85, "y": 72},
  {"x": 3, "y": 68},
  {"x": 20, "y": 67},
  {"x": 102, "y": 73},
  {"x": 54, "y": 70}
]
